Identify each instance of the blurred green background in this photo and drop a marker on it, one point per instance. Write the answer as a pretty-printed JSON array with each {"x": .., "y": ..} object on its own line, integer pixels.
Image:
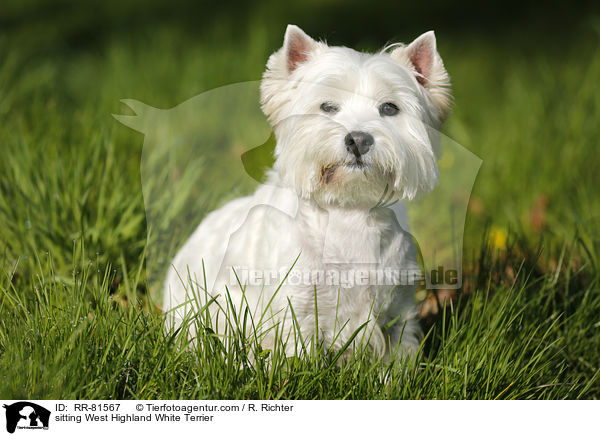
[{"x": 525, "y": 79}]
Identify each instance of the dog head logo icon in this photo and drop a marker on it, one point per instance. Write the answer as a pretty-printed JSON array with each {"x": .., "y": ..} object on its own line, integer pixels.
[{"x": 26, "y": 415}]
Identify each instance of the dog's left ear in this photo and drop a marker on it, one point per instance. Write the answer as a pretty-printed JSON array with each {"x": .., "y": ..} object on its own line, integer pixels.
[{"x": 422, "y": 56}]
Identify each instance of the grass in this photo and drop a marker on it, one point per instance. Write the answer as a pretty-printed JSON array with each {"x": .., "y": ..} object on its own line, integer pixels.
[
  {"x": 533, "y": 338},
  {"x": 77, "y": 316}
]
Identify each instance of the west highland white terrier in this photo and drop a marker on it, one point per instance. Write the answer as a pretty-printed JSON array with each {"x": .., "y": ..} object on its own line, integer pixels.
[{"x": 354, "y": 135}]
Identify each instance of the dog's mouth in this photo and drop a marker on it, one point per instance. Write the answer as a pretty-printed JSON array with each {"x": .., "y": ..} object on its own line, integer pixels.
[
  {"x": 329, "y": 171},
  {"x": 357, "y": 164}
]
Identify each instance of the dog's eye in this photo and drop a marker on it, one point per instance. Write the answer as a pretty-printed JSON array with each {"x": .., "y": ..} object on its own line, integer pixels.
[
  {"x": 388, "y": 109},
  {"x": 329, "y": 107}
]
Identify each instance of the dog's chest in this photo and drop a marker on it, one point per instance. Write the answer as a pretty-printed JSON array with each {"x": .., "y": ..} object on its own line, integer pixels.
[{"x": 344, "y": 239}]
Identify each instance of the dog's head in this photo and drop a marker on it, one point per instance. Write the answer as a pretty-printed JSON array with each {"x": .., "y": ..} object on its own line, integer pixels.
[{"x": 351, "y": 126}]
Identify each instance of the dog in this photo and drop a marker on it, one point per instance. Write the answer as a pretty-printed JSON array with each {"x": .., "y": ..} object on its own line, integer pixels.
[{"x": 353, "y": 136}]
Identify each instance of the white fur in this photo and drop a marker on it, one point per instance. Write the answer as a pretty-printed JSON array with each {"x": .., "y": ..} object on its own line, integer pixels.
[{"x": 319, "y": 210}]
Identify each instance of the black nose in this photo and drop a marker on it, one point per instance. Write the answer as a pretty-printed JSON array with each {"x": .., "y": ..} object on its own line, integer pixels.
[{"x": 358, "y": 143}]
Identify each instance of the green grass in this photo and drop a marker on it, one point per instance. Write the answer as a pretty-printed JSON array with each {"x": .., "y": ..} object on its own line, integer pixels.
[
  {"x": 77, "y": 320},
  {"x": 533, "y": 338}
]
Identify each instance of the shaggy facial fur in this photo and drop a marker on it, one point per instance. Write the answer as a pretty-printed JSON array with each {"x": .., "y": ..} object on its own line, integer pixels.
[{"x": 354, "y": 133}]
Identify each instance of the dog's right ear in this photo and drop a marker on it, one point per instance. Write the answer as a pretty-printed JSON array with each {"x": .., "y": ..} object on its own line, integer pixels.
[{"x": 297, "y": 49}]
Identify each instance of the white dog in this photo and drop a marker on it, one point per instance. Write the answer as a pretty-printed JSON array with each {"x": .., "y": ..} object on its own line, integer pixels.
[{"x": 353, "y": 135}]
